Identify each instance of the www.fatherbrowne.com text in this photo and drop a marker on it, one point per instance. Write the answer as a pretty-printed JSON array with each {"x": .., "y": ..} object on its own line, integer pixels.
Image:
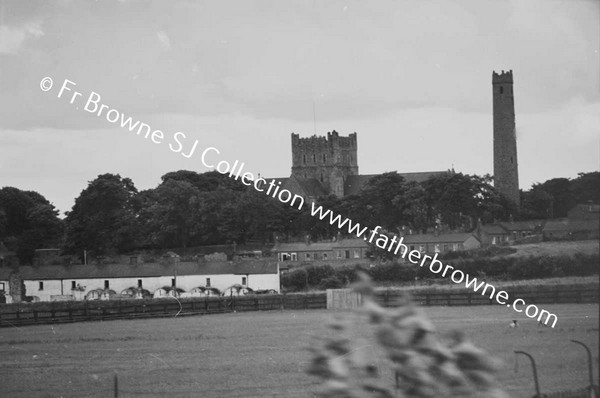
[{"x": 209, "y": 157}]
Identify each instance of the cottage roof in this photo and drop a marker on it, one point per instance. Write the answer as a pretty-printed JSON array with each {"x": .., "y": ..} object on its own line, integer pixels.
[
  {"x": 147, "y": 270},
  {"x": 302, "y": 247},
  {"x": 350, "y": 243},
  {"x": 495, "y": 229},
  {"x": 442, "y": 238},
  {"x": 522, "y": 225}
]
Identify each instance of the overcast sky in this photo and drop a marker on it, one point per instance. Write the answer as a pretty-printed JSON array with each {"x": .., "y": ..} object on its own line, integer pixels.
[{"x": 412, "y": 78}]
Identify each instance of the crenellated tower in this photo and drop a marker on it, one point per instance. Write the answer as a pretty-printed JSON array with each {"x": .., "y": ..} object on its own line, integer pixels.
[
  {"x": 327, "y": 159},
  {"x": 506, "y": 170}
]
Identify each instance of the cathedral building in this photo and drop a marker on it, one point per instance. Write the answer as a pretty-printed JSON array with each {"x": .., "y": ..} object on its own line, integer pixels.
[{"x": 329, "y": 166}]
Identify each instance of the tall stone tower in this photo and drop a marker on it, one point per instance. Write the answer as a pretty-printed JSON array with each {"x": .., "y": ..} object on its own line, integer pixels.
[
  {"x": 506, "y": 170},
  {"x": 327, "y": 159}
]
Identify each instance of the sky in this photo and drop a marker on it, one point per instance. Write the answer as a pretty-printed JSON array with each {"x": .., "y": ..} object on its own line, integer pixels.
[{"x": 411, "y": 78}]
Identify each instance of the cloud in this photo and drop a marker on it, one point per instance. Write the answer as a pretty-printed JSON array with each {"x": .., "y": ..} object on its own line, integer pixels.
[{"x": 12, "y": 39}]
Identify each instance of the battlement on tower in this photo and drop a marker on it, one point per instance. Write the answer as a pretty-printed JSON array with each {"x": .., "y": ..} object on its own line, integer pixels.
[
  {"x": 503, "y": 77},
  {"x": 332, "y": 139}
]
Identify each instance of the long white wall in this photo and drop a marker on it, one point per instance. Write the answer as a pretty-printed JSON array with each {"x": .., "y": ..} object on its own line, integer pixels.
[{"x": 186, "y": 282}]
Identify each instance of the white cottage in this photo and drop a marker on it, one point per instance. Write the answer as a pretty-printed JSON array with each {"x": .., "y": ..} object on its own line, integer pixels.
[{"x": 79, "y": 280}]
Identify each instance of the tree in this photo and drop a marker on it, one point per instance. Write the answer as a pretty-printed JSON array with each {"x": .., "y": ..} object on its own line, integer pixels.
[
  {"x": 28, "y": 221},
  {"x": 458, "y": 200},
  {"x": 174, "y": 210},
  {"x": 586, "y": 187},
  {"x": 386, "y": 200},
  {"x": 103, "y": 218},
  {"x": 536, "y": 204},
  {"x": 560, "y": 190}
]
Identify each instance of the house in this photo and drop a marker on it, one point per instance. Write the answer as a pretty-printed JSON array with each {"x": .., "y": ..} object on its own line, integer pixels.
[
  {"x": 441, "y": 243},
  {"x": 521, "y": 229},
  {"x": 49, "y": 283},
  {"x": 492, "y": 234},
  {"x": 342, "y": 249},
  {"x": 589, "y": 211},
  {"x": 350, "y": 249},
  {"x": 571, "y": 229},
  {"x": 303, "y": 251},
  {"x": 508, "y": 233}
]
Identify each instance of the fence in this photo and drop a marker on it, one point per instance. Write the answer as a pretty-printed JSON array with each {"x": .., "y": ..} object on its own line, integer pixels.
[
  {"x": 61, "y": 312},
  {"x": 552, "y": 295},
  {"x": 580, "y": 393}
]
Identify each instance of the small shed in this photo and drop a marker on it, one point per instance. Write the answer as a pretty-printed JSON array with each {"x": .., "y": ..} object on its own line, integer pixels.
[
  {"x": 136, "y": 292},
  {"x": 237, "y": 290}
]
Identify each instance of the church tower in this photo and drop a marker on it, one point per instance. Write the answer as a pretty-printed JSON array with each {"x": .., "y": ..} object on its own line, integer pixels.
[
  {"x": 506, "y": 171},
  {"x": 328, "y": 160}
]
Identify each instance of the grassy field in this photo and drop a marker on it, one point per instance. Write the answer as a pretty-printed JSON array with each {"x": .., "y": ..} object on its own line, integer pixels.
[{"x": 261, "y": 354}]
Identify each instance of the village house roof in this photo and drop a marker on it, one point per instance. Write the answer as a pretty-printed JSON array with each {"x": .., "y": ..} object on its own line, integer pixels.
[
  {"x": 146, "y": 270},
  {"x": 522, "y": 225},
  {"x": 302, "y": 247},
  {"x": 493, "y": 229},
  {"x": 350, "y": 243},
  {"x": 441, "y": 238}
]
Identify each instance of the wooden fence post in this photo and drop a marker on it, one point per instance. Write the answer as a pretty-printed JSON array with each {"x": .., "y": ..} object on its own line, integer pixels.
[{"x": 116, "y": 386}]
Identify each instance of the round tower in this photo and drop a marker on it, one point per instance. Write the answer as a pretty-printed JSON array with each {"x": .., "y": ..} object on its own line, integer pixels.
[{"x": 506, "y": 170}]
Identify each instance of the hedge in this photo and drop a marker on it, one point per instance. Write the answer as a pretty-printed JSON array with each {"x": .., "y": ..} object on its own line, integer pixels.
[{"x": 498, "y": 268}]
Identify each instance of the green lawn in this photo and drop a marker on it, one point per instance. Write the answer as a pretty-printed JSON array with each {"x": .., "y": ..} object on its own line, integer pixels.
[{"x": 260, "y": 354}]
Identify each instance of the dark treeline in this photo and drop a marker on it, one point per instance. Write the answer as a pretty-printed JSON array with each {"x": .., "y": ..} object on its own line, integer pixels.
[{"x": 190, "y": 209}]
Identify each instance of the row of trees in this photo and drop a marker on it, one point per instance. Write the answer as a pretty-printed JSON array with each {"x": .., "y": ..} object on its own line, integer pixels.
[{"x": 189, "y": 209}]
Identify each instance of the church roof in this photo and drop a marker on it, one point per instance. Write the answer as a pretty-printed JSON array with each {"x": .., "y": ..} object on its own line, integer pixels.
[{"x": 312, "y": 187}]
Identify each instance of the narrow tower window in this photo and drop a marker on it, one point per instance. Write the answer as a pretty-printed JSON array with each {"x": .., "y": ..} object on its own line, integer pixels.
[
  {"x": 314, "y": 158},
  {"x": 321, "y": 177},
  {"x": 501, "y": 90},
  {"x": 304, "y": 158},
  {"x": 324, "y": 158}
]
